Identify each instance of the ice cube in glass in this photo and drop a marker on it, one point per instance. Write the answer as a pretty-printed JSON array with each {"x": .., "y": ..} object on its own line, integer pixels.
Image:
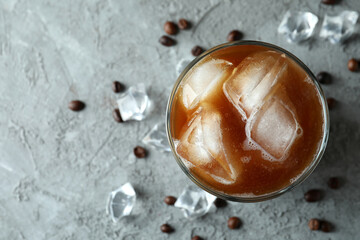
[
  {"x": 274, "y": 128},
  {"x": 253, "y": 80},
  {"x": 202, "y": 148},
  {"x": 203, "y": 80}
]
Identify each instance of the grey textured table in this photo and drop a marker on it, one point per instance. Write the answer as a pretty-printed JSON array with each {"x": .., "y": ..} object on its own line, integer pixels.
[{"x": 57, "y": 167}]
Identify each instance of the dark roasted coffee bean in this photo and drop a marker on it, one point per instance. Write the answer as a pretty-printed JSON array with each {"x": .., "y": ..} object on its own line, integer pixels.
[
  {"x": 353, "y": 65},
  {"x": 140, "y": 152},
  {"x": 314, "y": 224},
  {"x": 170, "y": 28},
  {"x": 76, "y": 105},
  {"x": 329, "y": 2},
  {"x": 166, "y": 228},
  {"x": 313, "y": 195},
  {"x": 183, "y": 24},
  {"x": 116, "y": 115},
  {"x": 323, "y": 77},
  {"x": 167, "y": 41},
  {"x": 334, "y": 183},
  {"x": 326, "y": 226},
  {"x": 197, "y": 238},
  {"x": 331, "y": 102},
  {"x": 234, "y": 223},
  {"x": 117, "y": 87},
  {"x": 234, "y": 36},
  {"x": 220, "y": 203},
  {"x": 196, "y": 51},
  {"x": 170, "y": 200}
]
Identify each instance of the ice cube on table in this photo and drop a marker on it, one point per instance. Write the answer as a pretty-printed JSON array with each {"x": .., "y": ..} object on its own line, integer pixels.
[
  {"x": 134, "y": 103},
  {"x": 298, "y": 26},
  {"x": 339, "y": 28},
  {"x": 157, "y": 138},
  {"x": 203, "y": 80},
  {"x": 121, "y": 202},
  {"x": 202, "y": 147},
  {"x": 274, "y": 129},
  {"x": 194, "y": 202},
  {"x": 252, "y": 81},
  {"x": 182, "y": 65}
]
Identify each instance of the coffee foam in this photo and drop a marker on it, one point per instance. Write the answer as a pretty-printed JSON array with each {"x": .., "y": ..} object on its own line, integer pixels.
[{"x": 245, "y": 159}]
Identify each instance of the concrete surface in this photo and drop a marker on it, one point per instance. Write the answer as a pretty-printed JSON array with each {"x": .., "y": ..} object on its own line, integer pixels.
[{"x": 57, "y": 167}]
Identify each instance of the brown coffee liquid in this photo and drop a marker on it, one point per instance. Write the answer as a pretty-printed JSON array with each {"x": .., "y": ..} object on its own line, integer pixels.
[{"x": 254, "y": 173}]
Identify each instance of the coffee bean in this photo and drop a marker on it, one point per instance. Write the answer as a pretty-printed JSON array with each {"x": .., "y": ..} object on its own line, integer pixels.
[
  {"x": 314, "y": 224},
  {"x": 353, "y": 65},
  {"x": 167, "y": 41},
  {"x": 329, "y": 2},
  {"x": 197, "y": 238},
  {"x": 183, "y": 24},
  {"x": 76, "y": 105},
  {"x": 140, "y": 152},
  {"x": 117, "y": 87},
  {"x": 170, "y": 28},
  {"x": 334, "y": 183},
  {"x": 323, "y": 77},
  {"x": 170, "y": 200},
  {"x": 220, "y": 203},
  {"x": 313, "y": 195},
  {"x": 234, "y": 223},
  {"x": 166, "y": 228},
  {"x": 116, "y": 115},
  {"x": 326, "y": 226},
  {"x": 196, "y": 51},
  {"x": 331, "y": 102},
  {"x": 234, "y": 36}
]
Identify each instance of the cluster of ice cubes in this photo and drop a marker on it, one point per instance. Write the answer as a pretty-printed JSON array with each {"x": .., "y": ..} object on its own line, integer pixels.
[
  {"x": 299, "y": 26},
  {"x": 193, "y": 201},
  {"x": 134, "y": 104},
  {"x": 256, "y": 90}
]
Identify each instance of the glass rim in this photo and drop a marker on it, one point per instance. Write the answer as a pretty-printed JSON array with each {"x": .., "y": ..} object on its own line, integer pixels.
[{"x": 303, "y": 176}]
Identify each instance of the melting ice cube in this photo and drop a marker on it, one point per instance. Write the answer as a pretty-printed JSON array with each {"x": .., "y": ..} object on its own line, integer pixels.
[
  {"x": 134, "y": 103},
  {"x": 194, "y": 202},
  {"x": 298, "y": 26},
  {"x": 203, "y": 80},
  {"x": 201, "y": 146},
  {"x": 121, "y": 202},
  {"x": 339, "y": 28},
  {"x": 253, "y": 80},
  {"x": 274, "y": 128},
  {"x": 157, "y": 138}
]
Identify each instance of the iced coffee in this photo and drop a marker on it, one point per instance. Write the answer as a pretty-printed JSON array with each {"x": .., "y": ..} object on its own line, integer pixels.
[{"x": 247, "y": 120}]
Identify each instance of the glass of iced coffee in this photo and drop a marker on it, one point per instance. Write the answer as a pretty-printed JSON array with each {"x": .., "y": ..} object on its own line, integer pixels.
[{"x": 247, "y": 121}]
